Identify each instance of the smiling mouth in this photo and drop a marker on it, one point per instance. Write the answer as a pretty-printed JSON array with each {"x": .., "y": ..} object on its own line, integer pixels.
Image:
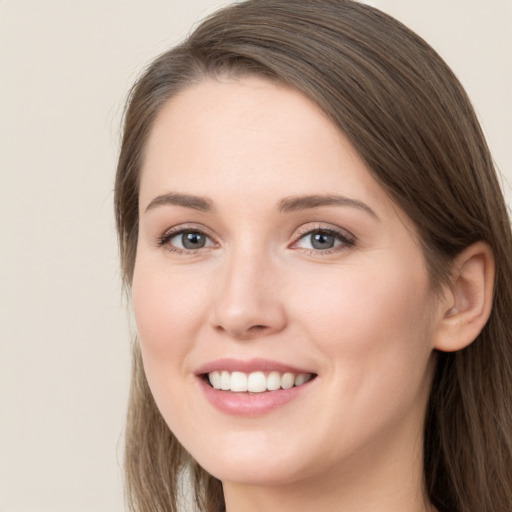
[{"x": 256, "y": 382}]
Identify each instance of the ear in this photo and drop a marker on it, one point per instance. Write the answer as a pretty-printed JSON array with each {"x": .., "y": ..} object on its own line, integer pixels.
[{"x": 468, "y": 299}]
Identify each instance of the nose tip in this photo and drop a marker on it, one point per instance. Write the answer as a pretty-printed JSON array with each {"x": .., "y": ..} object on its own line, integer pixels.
[{"x": 248, "y": 304}]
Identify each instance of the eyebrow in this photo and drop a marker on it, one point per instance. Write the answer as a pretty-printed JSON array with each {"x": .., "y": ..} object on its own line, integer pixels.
[
  {"x": 291, "y": 204},
  {"x": 288, "y": 204},
  {"x": 202, "y": 204}
]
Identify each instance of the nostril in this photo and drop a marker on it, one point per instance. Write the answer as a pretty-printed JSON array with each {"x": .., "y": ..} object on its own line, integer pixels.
[{"x": 244, "y": 332}]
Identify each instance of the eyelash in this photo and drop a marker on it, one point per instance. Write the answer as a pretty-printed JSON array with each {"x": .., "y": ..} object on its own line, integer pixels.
[
  {"x": 345, "y": 239},
  {"x": 164, "y": 240}
]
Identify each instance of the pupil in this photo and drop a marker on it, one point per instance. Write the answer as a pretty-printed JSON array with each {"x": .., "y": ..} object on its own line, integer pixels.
[
  {"x": 193, "y": 240},
  {"x": 322, "y": 241}
]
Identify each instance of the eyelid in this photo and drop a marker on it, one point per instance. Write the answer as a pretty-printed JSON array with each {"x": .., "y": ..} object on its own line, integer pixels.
[
  {"x": 323, "y": 226},
  {"x": 346, "y": 237},
  {"x": 164, "y": 239}
]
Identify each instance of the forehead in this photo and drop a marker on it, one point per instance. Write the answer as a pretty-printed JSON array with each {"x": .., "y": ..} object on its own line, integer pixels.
[{"x": 253, "y": 137}]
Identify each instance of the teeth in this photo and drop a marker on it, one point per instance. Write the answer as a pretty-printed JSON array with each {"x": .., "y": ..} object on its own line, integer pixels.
[
  {"x": 256, "y": 382},
  {"x": 238, "y": 381},
  {"x": 273, "y": 381},
  {"x": 287, "y": 380},
  {"x": 225, "y": 381},
  {"x": 301, "y": 378},
  {"x": 215, "y": 380}
]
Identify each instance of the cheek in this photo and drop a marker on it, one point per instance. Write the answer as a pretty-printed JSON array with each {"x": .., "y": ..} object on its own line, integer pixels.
[
  {"x": 357, "y": 299},
  {"x": 166, "y": 306},
  {"x": 374, "y": 329},
  {"x": 373, "y": 323},
  {"x": 165, "y": 302},
  {"x": 168, "y": 314}
]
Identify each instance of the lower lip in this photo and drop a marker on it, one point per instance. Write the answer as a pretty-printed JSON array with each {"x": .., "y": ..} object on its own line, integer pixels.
[{"x": 251, "y": 404}]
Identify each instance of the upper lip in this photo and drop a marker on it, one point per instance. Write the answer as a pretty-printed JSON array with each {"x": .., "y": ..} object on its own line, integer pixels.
[{"x": 249, "y": 366}]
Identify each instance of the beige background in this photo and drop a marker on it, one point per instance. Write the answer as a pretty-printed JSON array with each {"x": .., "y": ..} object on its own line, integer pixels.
[{"x": 65, "y": 69}]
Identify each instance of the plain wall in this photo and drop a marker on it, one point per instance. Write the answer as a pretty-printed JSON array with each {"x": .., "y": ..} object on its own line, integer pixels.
[{"x": 64, "y": 354}]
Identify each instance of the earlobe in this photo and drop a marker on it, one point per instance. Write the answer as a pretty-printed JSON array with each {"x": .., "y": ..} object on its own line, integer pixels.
[{"x": 468, "y": 301}]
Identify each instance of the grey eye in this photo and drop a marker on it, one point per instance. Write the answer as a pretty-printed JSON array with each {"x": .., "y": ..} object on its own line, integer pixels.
[
  {"x": 190, "y": 240},
  {"x": 322, "y": 240},
  {"x": 193, "y": 240}
]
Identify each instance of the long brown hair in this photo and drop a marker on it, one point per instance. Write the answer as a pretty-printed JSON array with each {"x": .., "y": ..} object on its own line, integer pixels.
[{"x": 410, "y": 120}]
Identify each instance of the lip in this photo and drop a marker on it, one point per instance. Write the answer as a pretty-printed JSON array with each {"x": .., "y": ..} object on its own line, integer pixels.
[
  {"x": 246, "y": 403},
  {"x": 249, "y": 366}
]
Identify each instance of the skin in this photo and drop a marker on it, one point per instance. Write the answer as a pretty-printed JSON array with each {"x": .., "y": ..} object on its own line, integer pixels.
[{"x": 361, "y": 315}]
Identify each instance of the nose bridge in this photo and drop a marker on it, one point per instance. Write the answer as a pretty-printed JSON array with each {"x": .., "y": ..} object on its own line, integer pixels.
[{"x": 247, "y": 301}]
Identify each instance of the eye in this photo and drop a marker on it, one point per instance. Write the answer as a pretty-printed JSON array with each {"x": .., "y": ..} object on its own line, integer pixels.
[
  {"x": 186, "y": 240},
  {"x": 324, "y": 240}
]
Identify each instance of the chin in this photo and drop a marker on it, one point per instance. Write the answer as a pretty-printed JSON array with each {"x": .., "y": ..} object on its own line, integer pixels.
[
  {"x": 252, "y": 463},
  {"x": 255, "y": 473}
]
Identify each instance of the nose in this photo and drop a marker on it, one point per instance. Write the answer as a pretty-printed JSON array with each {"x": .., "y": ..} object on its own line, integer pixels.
[{"x": 248, "y": 300}]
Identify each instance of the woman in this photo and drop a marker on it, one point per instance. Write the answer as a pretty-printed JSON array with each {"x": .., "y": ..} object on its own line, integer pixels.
[{"x": 318, "y": 254}]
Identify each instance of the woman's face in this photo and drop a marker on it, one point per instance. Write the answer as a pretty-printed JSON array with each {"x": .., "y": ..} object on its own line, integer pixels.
[{"x": 269, "y": 257}]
